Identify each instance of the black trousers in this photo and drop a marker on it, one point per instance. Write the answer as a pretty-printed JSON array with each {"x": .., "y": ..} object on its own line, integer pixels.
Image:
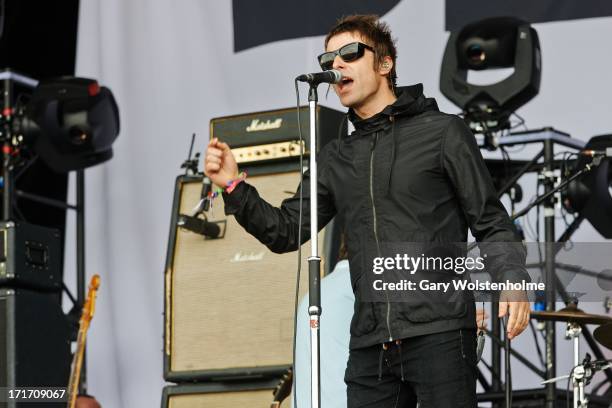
[{"x": 435, "y": 370}]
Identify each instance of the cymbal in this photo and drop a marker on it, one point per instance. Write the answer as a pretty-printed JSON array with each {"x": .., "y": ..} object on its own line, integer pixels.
[
  {"x": 571, "y": 314},
  {"x": 603, "y": 335}
]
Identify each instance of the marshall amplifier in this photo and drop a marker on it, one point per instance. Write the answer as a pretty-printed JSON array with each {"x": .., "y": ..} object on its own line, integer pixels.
[
  {"x": 273, "y": 135},
  {"x": 221, "y": 394},
  {"x": 30, "y": 256},
  {"x": 229, "y": 301}
]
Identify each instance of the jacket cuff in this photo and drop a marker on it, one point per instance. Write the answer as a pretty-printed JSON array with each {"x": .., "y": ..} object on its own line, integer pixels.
[
  {"x": 234, "y": 202},
  {"x": 515, "y": 275}
]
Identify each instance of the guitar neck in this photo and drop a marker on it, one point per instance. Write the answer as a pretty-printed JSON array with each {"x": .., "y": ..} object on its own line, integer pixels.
[
  {"x": 77, "y": 360},
  {"x": 77, "y": 364}
]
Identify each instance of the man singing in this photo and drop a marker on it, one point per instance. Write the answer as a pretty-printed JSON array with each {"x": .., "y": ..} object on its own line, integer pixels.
[{"x": 408, "y": 173}]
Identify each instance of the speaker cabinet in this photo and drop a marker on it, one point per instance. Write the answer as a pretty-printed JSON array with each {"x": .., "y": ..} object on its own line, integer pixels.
[
  {"x": 30, "y": 256},
  {"x": 34, "y": 342},
  {"x": 229, "y": 301},
  {"x": 220, "y": 395}
]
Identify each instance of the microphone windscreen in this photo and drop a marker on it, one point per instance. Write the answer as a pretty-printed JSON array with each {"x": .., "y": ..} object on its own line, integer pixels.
[{"x": 337, "y": 75}]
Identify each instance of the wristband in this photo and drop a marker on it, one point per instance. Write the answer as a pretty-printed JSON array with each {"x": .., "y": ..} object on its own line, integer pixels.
[{"x": 231, "y": 185}]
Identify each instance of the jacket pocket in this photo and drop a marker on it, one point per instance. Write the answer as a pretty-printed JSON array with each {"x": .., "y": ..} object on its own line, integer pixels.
[
  {"x": 364, "y": 319},
  {"x": 423, "y": 312},
  {"x": 435, "y": 298}
]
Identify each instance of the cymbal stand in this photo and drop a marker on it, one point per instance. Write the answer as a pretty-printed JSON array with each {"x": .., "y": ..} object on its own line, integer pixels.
[
  {"x": 581, "y": 376},
  {"x": 572, "y": 332}
]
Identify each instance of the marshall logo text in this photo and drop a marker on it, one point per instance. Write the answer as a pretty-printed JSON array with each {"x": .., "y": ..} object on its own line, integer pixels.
[{"x": 257, "y": 126}]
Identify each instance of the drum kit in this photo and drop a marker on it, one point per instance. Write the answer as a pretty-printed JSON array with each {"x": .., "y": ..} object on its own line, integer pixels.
[{"x": 582, "y": 372}]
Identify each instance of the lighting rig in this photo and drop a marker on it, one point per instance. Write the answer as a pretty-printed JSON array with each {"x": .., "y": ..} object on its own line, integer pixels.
[
  {"x": 70, "y": 124},
  {"x": 583, "y": 186}
]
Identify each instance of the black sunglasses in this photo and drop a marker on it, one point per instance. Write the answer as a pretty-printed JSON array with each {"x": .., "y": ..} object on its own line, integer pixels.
[{"x": 349, "y": 52}]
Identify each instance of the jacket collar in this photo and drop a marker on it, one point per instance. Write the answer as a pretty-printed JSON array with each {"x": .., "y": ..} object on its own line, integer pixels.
[{"x": 410, "y": 102}]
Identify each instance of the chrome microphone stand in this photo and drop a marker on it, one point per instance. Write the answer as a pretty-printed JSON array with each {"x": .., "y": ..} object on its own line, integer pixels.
[{"x": 314, "y": 260}]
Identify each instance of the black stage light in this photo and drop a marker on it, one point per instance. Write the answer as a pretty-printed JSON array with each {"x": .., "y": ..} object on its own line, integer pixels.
[
  {"x": 71, "y": 123},
  {"x": 493, "y": 43},
  {"x": 591, "y": 195}
]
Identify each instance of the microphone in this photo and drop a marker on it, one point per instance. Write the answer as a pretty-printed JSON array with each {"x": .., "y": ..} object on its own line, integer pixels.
[
  {"x": 480, "y": 343},
  {"x": 332, "y": 76},
  {"x": 199, "y": 226},
  {"x": 204, "y": 203}
]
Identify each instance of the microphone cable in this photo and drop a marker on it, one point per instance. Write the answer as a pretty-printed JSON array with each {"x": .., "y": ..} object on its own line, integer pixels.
[
  {"x": 299, "y": 256},
  {"x": 508, "y": 369},
  {"x": 567, "y": 389}
]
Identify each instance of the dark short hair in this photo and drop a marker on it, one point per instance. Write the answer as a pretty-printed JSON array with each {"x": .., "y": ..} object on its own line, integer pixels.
[{"x": 373, "y": 31}]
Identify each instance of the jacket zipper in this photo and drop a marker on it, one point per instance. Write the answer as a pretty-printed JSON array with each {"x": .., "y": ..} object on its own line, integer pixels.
[{"x": 372, "y": 148}]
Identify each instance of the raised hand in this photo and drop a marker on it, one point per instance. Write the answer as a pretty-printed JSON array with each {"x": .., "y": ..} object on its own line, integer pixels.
[{"x": 219, "y": 163}]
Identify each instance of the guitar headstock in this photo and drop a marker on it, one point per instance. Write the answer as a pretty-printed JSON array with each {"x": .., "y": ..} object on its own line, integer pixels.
[{"x": 90, "y": 302}]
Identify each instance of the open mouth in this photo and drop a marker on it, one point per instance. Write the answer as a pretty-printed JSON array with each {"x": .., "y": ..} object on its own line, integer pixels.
[{"x": 345, "y": 82}]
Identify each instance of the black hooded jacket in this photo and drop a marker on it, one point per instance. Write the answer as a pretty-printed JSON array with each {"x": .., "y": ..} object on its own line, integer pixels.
[{"x": 407, "y": 174}]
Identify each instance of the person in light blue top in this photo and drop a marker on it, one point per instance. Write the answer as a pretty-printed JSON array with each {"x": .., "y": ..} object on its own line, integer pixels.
[{"x": 337, "y": 301}]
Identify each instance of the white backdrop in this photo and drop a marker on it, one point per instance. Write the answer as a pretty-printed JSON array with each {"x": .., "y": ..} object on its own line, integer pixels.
[{"x": 172, "y": 68}]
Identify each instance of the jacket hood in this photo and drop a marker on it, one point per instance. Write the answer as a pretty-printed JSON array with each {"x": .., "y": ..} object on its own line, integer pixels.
[{"x": 410, "y": 102}]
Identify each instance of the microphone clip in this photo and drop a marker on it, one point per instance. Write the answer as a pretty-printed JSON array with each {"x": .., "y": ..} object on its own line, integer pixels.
[{"x": 205, "y": 197}]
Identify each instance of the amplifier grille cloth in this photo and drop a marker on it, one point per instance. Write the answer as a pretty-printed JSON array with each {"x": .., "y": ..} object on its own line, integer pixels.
[
  {"x": 232, "y": 298},
  {"x": 257, "y": 398}
]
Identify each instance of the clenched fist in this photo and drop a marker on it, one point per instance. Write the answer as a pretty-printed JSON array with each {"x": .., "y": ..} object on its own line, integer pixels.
[{"x": 219, "y": 164}]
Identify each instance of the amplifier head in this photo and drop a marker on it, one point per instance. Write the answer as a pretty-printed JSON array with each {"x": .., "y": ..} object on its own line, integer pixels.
[{"x": 272, "y": 135}]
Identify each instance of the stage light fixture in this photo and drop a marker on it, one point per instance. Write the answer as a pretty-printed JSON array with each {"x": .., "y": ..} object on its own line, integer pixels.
[
  {"x": 71, "y": 123},
  {"x": 493, "y": 43},
  {"x": 591, "y": 195}
]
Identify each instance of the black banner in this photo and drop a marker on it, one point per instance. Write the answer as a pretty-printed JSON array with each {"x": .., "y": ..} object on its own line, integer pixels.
[
  {"x": 258, "y": 22},
  {"x": 460, "y": 13}
]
